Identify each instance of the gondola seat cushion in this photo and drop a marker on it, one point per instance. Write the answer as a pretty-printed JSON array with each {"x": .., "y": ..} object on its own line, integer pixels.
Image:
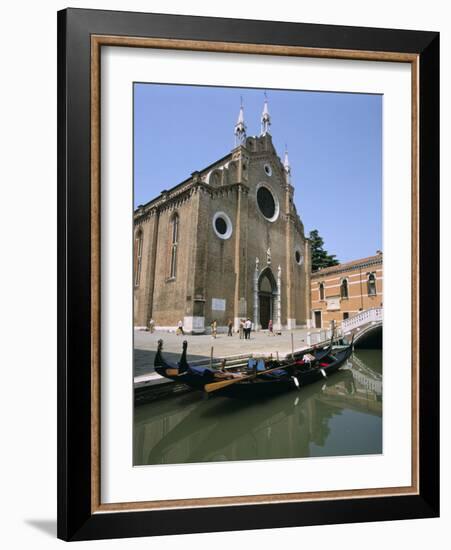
[
  {"x": 202, "y": 371},
  {"x": 276, "y": 373}
]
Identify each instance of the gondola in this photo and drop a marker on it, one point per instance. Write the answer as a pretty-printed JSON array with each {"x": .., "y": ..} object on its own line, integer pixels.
[
  {"x": 275, "y": 380},
  {"x": 162, "y": 366},
  {"x": 197, "y": 377},
  {"x": 191, "y": 375},
  {"x": 318, "y": 353}
]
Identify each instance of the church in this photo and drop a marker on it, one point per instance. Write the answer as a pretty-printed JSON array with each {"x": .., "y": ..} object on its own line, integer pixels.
[{"x": 225, "y": 244}]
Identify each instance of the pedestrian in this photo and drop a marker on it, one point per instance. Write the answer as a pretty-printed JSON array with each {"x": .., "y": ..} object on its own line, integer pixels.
[
  {"x": 241, "y": 329},
  {"x": 180, "y": 328},
  {"x": 270, "y": 328},
  {"x": 230, "y": 327},
  {"x": 151, "y": 326},
  {"x": 214, "y": 328},
  {"x": 247, "y": 329}
]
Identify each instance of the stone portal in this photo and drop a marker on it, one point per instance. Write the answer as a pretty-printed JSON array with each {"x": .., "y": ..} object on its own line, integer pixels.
[{"x": 267, "y": 293}]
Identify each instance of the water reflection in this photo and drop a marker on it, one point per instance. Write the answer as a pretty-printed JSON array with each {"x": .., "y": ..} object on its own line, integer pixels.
[{"x": 339, "y": 416}]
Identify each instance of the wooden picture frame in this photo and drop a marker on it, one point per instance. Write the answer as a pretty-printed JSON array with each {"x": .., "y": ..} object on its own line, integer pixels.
[{"x": 81, "y": 35}]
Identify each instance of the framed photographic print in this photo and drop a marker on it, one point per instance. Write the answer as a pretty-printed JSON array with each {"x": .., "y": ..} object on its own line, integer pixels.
[{"x": 248, "y": 274}]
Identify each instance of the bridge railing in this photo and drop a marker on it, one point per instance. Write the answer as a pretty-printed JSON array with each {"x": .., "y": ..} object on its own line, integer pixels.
[{"x": 372, "y": 315}]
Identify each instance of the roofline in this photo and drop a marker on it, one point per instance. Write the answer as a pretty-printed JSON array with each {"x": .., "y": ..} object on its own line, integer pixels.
[
  {"x": 184, "y": 182},
  {"x": 347, "y": 266}
]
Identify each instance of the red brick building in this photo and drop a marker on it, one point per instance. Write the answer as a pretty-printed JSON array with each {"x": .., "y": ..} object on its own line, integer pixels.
[{"x": 343, "y": 290}]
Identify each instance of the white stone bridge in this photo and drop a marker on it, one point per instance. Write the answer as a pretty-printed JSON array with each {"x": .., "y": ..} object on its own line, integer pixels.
[{"x": 366, "y": 327}]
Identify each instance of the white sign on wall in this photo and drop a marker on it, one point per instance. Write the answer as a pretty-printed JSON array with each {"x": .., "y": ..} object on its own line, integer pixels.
[
  {"x": 333, "y": 304},
  {"x": 218, "y": 304}
]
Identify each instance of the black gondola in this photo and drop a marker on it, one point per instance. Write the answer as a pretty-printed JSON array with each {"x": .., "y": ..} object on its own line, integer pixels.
[
  {"x": 197, "y": 376},
  {"x": 279, "y": 380},
  {"x": 162, "y": 366},
  {"x": 191, "y": 375}
]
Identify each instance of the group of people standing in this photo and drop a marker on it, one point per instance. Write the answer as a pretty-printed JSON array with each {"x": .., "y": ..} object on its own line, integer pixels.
[{"x": 245, "y": 328}]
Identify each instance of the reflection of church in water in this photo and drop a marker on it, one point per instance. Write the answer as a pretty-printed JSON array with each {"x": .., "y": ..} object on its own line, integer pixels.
[{"x": 227, "y": 243}]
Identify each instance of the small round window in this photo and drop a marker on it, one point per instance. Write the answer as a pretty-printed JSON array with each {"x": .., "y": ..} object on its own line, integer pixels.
[
  {"x": 298, "y": 256},
  {"x": 268, "y": 170},
  {"x": 267, "y": 203},
  {"x": 222, "y": 225}
]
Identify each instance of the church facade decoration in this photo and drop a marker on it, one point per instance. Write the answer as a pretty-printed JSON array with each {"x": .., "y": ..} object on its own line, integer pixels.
[{"x": 225, "y": 244}]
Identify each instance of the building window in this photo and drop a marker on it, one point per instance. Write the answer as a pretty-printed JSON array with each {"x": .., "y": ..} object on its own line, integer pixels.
[
  {"x": 222, "y": 225},
  {"x": 268, "y": 203},
  {"x": 371, "y": 284},
  {"x": 321, "y": 291},
  {"x": 298, "y": 256},
  {"x": 174, "y": 245},
  {"x": 344, "y": 289},
  {"x": 268, "y": 170},
  {"x": 138, "y": 256}
]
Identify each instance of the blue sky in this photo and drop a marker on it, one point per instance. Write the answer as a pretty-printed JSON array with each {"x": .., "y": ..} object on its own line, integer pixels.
[{"x": 334, "y": 144}]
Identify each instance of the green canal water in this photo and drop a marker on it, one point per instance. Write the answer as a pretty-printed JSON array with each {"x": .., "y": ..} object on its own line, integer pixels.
[{"x": 335, "y": 417}]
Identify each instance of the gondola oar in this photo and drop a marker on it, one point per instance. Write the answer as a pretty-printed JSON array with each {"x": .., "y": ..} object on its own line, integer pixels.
[{"x": 213, "y": 386}]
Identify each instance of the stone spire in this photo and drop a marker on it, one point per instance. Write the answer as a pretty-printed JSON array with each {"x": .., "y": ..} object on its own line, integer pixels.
[
  {"x": 240, "y": 127},
  {"x": 287, "y": 167},
  {"x": 266, "y": 118}
]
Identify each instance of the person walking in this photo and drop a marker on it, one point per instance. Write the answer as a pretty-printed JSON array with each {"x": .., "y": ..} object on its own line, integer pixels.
[
  {"x": 247, "y": 329},
  {"x": 214, "y": 328},
  {"x": 270, "y": 328},
  {"x": 230, "y": 327},
  {"x": 179, "y": 328},
  {"x": 241, "y": 329},
  {"x": 151, "y": 326}
]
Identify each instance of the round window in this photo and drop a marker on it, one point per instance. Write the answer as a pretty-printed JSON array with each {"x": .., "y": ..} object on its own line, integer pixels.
[
  {"x": 268, "y": 170},
  {"x": 267, "y": 203},
  {"x": 298, "y": 256},
  {"x": 222, "y": 225}
]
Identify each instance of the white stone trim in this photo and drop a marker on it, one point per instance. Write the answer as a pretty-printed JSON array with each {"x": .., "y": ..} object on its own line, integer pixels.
[
  {"x": 317, "y": 275},
  {"x": 269, "y": 172},
  {"x": 349, "y": 283},
  {"x": 228, "y": 221}
]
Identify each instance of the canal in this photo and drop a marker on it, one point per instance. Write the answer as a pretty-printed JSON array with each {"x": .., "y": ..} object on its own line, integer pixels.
[{"x": 339, "y": 416}]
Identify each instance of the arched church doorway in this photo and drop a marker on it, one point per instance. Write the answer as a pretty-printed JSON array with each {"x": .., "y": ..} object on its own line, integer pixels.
[{"x": 267, "y": 290}]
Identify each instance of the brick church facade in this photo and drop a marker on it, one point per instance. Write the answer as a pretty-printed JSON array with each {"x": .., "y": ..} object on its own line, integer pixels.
[{"x": 225, "y": 244}]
